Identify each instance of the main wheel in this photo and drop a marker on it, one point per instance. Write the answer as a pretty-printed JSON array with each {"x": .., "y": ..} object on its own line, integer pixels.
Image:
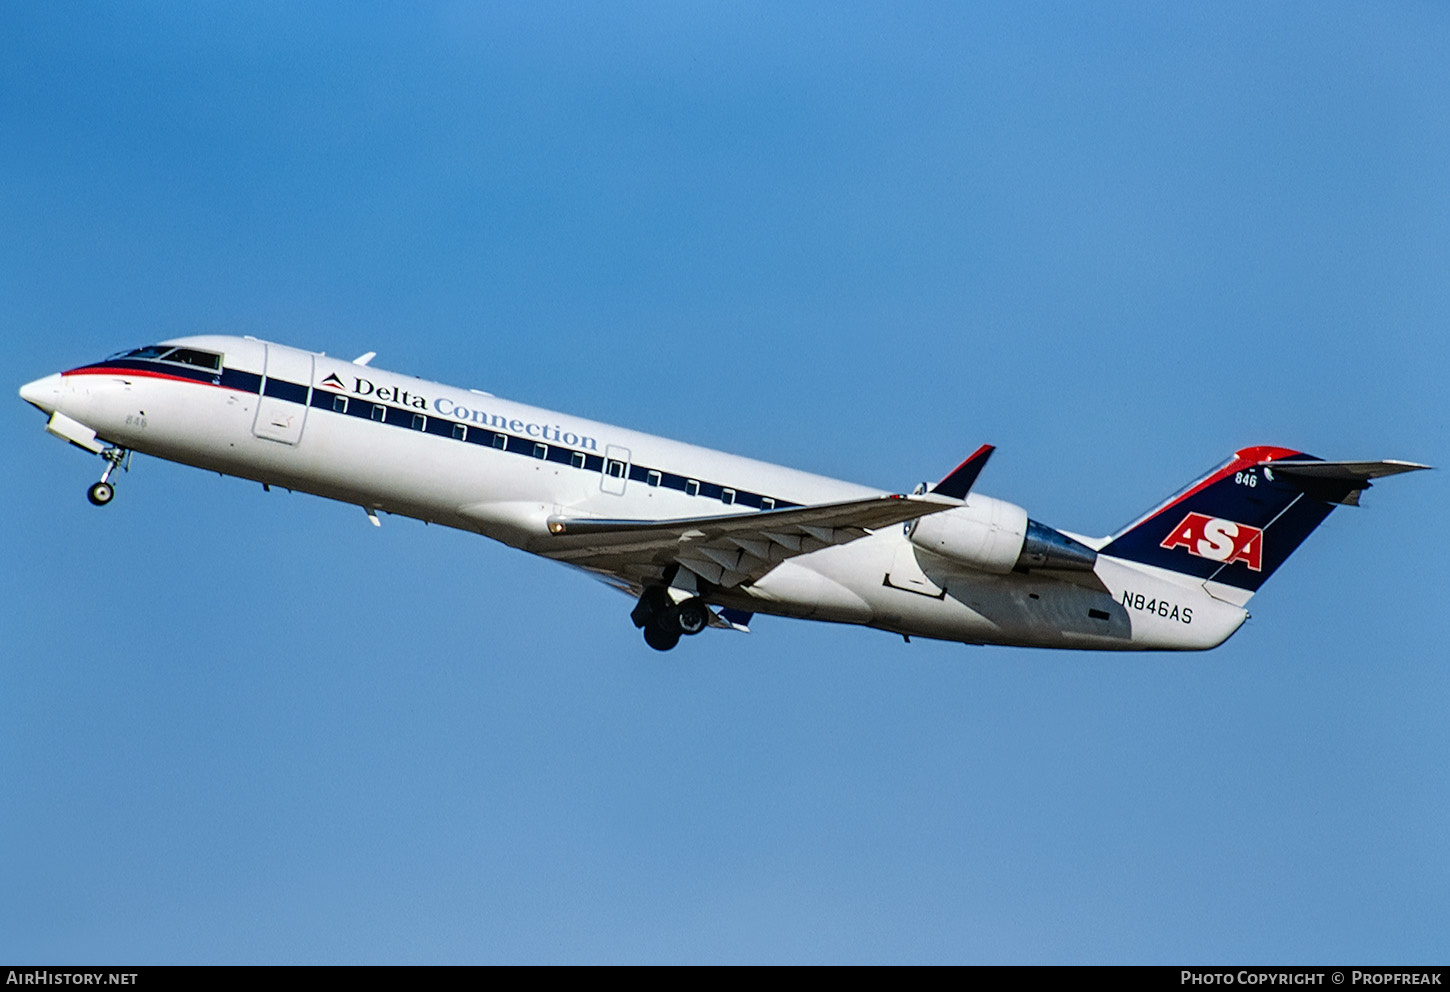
[
  {"x": 101, "y": 493},
  {"x": 650, "y": 605},
  {"x": 692, "y": 616},
  {"x": 660, "y": 640}
]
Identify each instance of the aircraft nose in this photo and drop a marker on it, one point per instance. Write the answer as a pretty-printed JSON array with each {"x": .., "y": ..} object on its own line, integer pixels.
[{"x": 44, "y": 393}]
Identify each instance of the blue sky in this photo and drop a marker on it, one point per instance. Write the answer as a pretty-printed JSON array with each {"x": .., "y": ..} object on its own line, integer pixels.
[{"x": 1118, "y": 241}]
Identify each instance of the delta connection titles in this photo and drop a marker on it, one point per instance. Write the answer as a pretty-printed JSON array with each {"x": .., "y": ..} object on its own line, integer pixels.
[
  {"x": 445, "y": 407},
  {"x": 1308, "y": 978}
]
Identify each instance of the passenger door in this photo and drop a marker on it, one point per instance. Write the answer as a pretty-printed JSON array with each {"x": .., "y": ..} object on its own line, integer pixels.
[{"x": 286, "y": 393}]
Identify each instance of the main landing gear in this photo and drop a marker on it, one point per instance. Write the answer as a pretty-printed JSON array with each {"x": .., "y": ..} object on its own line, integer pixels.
[
  {"x": 665, "y": 621},
  {"x": 103, "y": 492}
]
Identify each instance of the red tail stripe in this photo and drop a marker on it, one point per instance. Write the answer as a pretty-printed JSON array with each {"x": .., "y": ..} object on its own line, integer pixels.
[{"x": 1243, "y": 458}]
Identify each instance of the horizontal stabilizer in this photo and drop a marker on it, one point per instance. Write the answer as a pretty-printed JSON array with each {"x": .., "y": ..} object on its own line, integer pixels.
[
  {"x": 1337, "y": 482},
  {"x": 960, "y": 480},
  {"x": 1347, "y": 471}
]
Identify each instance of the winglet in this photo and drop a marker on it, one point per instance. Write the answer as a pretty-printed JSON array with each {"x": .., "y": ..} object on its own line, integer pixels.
[{"x": 959, "y": 482}]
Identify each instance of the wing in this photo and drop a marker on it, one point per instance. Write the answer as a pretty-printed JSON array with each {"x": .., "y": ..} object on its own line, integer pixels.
[{"x": 725, "y": 550}]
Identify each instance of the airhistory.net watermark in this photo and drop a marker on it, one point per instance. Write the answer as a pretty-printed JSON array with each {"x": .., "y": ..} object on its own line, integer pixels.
[{"x": 42, "y": 976}]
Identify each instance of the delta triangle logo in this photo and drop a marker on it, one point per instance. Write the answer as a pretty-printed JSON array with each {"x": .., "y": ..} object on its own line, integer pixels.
[{"x": 332, "y": 381}]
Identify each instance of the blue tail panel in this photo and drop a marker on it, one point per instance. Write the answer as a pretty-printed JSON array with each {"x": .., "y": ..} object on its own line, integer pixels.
[{"x": 1237, "y": 525}]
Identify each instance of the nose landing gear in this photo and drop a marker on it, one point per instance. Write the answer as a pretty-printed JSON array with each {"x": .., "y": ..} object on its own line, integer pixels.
[{"x": 103, "y": 492}]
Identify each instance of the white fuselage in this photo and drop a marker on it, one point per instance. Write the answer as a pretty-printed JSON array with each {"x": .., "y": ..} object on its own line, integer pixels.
[{"x": 407, "y": 446}]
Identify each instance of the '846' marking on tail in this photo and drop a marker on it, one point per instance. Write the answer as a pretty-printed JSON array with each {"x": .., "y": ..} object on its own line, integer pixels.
[{"x": 1218, "y": 540}]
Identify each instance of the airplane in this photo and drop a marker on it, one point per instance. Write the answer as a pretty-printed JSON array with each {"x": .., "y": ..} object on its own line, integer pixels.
[{"x": 700, "y": 538}]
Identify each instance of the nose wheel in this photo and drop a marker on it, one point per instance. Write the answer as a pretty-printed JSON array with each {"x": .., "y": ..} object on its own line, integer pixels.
[
  {"x": 104, "y": 491},
  {"x": 101, "y": 493}
]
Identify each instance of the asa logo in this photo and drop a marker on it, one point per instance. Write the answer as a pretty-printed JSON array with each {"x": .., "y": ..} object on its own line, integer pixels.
[{"x": 1219, "y": 540}]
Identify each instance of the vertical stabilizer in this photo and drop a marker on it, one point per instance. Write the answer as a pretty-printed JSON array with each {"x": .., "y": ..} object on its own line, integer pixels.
[{"x": 1239, "y": 523}]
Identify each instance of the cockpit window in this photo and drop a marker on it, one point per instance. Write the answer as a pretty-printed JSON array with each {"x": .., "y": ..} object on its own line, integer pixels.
[
  {"x": 190, "y": 356},
  {"x": 150, "y": 351},
  {"x": 208, "y": 360}
]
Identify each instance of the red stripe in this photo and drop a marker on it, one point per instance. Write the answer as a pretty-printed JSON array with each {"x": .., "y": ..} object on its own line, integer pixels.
[
  {"x": 985, "y": 449},
  {"x": 1243, "y": 458},
  {"x": 134, "y": 374}
]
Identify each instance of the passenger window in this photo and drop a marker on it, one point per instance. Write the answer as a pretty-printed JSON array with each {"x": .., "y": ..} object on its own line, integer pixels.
[
  {"x": 500, "y": 441},
  {"x": 541, "y": 450},
  {"x": 577, "y": 459},
  {"x": 652, "y": 479},
  {"x": 379, "y": 411},
  {"x": 692, "y": 488},
  {"x": 460, "y": 432},
  {"x": 420, "y": 422},
  {"x": 615, "y": 468},
  {"x": 339, "y": 404},
  {"x": 766, "y": 503},
  {"x": 728, "y": 496}
]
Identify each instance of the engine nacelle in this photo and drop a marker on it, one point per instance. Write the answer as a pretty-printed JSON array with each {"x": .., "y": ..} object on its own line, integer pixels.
[
  {"x": 986, "y": 534},
  {"x": 995, "y": 536}
]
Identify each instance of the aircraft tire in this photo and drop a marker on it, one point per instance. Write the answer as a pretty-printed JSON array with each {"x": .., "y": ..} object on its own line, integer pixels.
[
  {"x": 650, "y": 606},
  {"x": 101, "y": 493},
  {"x": 659, "y": 638},
  {"x": 692, "y": 616}
]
